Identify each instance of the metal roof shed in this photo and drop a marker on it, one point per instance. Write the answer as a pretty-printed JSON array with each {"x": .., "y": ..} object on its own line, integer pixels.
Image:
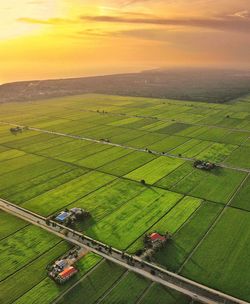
[{"x": 62, "y": 216}]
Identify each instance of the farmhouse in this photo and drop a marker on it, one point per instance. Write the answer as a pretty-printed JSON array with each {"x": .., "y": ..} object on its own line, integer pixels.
[
  {"x": 62, "y": 216},
  {"x": 77, "y": 211},
  {"x": 152, "y": 243},
  {"x": 70, "y": 216},
  {"x": 66, "y": 274},
  {"x": 63, "y": 269},
  {"x": 61, "y": 264},
  {"x": 156, "y": 237},
  {"x": 200, "y": 164},
  {"x": 155, "y": 240}
]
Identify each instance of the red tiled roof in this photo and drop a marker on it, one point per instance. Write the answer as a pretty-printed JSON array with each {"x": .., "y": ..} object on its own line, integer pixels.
[
  {"x": 156, "y": 236},
  {"x": 67, "y": 272}
]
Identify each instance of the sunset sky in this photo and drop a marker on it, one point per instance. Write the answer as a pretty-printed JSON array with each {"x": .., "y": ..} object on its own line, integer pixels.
[{"x": 65, "y": 38}]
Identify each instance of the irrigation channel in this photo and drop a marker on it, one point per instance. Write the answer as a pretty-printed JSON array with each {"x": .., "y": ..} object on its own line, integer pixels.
[{"x": 149, "y": 270}]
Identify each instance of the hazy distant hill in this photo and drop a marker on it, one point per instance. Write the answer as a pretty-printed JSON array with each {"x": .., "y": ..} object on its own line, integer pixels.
[{"x": 186, "y": 84}]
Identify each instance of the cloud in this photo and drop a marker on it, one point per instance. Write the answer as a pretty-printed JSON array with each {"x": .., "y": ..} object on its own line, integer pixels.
[
  {"x": 242, "y": 14},
  {"x": 236, "y": 22},
  {"x": 218, "y": 23},
  {"x": 51, "y": 21},
  {"x": 130, "y": 2}
]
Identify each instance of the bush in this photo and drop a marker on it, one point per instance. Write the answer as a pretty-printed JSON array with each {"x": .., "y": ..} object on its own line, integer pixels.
[{"x": 139, "y": 252}]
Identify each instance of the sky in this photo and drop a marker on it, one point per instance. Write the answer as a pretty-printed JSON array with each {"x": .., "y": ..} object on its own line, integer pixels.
[{"x": 42, "y": 39}]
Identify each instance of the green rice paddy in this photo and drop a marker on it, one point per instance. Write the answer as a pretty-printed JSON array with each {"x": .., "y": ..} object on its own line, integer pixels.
[{"x": 207, "y": 213}]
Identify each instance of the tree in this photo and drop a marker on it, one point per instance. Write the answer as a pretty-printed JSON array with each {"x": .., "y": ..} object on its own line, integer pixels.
[
  {"x": 47, "y": 221},
  {"x": 65, "y": 232},
  {"x": 139, "y": 252},
  {"x": 15, "y": 131}
]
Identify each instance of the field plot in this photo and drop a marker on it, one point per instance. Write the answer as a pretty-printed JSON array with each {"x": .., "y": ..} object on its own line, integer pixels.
[
  {"x": 127, "y": 136},
  {"x": 145, "y": 140},
  {"x": 174, "y": 218},
  {"x": 63, "y": 195},
  {"x": 128, "y": 290},
  {"x": 55, "y": 181},
  {"x": 172, "y": 178},
  {"x": 212, "y": 134},
  {"x": 57, "y": 147},
  {"x": 77, "y": 155},
  {"x": 235, "y": 138},
  {"x": 217, "y": 186},
  {"x": 31, "y": 175},
  {"x": 46, "y": 291},
  {"x": 21, "y": 177},
  {"x": 191, "y": 148},
  {"x": 18, "y": 162},
  {"x": 168, "y": 143},
  {"x": 241, "y": 200},
  {"x": 101, "y": 131},
  {"x": 240, "y": 158},
  {"x": 164, "y": 296},
  {"x": 132, "y": 219},
  {"x": 35, "y": 138},
  {"x": 16, "y": 251},
  {"x": 156, "y": 126},
  {"x": 9, "y": 224},
  {"x": 180, "y": 246},
  {"x": 101, "y": 158},
  {"x": 173, "y": 128},
  {"x": 222, "y": 259},
  {"x": 155, "y": 170},
  {"x": 94, "y": 285},
  {"x": 127, "y": 163},
  {"x": 216, "y": 152},
  {"x": 108, "y": 198},
  {"x": 10, "y": 153}
]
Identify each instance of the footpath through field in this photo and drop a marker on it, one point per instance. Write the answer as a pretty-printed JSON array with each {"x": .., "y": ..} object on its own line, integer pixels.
[
  {"x": 145, "y": 150},
  {"x": 151, "y": 271}
]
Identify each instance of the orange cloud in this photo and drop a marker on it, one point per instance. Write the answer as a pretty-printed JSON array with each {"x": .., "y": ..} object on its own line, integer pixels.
[
  {"x": 51, "y": 21},
  {"x": 218, "y": 23}
]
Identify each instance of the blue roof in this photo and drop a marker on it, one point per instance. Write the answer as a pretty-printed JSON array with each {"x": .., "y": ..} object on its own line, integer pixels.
[
  {"x": 61, "y": 263},
  {"x": 62, "y": 216}
]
